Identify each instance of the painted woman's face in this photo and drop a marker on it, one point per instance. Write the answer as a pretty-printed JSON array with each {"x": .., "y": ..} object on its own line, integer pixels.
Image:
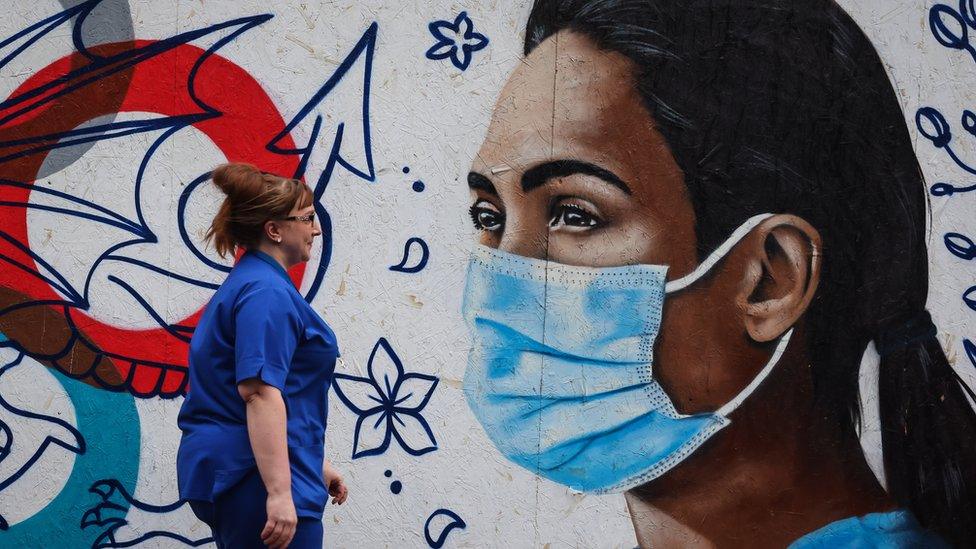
[{"x": 573, "y": 171}]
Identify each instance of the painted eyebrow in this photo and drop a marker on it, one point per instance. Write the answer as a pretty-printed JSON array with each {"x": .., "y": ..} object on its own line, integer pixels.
[
  {"x": 479, "y": 182},
  {"x": 541, "y": 174}
]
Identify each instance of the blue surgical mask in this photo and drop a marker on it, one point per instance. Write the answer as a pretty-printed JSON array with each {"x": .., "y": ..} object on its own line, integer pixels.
[{"x": 560, "y": 372}]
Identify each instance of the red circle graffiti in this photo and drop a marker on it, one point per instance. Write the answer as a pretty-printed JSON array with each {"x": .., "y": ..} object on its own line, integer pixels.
[{"x": 165, "y": 84}]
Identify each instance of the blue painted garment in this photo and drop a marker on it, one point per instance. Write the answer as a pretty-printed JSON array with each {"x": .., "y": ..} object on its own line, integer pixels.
[
  {"x": 256, "y": 325},
  {"x": 895, "y": 530}
]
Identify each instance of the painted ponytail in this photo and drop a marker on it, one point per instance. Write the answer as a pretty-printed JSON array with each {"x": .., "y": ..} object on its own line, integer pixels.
[{"x": 928, "y": 430}]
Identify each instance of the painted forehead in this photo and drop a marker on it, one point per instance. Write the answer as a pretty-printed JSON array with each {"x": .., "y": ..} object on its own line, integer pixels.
[{"x": 567, "y": 95}]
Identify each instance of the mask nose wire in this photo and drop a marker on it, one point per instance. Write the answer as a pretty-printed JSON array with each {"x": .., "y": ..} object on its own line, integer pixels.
[{"x": 716, "y": 256}]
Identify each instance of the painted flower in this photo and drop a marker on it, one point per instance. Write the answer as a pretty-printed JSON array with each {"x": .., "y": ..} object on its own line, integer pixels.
[
  {"x": 388, "y": 404},
  {"x": 456, "y": 40}
]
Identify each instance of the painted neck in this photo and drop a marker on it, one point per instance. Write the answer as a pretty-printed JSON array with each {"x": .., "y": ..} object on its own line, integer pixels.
[{"x": 778, "y": 472}]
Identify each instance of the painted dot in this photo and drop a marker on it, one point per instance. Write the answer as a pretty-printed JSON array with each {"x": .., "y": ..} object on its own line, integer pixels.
[
  {"x": 406, "y": 169},
  {"x": 418, "y": 186},
  {"x": 396, "y": 486},
  {"x": 388, "y": 473}
]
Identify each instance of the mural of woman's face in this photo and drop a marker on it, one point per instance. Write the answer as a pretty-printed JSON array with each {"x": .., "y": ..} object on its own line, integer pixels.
[{"x": 573, "y": 171}]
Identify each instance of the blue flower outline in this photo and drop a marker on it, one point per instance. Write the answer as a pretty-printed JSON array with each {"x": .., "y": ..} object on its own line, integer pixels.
[
  {"x": 460, "y": 52},
  {"x": 391, "y": 407}
]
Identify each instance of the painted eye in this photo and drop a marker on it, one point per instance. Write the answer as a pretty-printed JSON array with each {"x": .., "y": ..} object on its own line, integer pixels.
[
  {"x": 486, "y": 217},
  {"x": 570, "y": 215}
]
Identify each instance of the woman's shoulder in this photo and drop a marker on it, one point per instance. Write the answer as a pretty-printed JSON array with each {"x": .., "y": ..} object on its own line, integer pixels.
[{"x": 253, "y": 286}]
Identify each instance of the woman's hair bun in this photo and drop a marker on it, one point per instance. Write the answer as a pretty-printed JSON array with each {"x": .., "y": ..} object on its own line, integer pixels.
[{"x": 238, "y": 180}]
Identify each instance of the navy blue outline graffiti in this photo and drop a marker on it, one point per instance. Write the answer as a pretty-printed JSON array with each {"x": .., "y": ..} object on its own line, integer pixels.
[
  {"x": 78, "y": 446},
  {"x": 934, "y": 127},
  {"x": 364, "y": 47},
  {"x": 380, "y": 400},
  {"x": 964, "y": 248},
  {"x": 946, "y": 189},
  {"x": 184, "y": 200},
  {"x": 456, "y": 522},
  {"x": 419, "y": 266},
  {"x": 965, "y": 18},
  {"x": 960, "y": 245},
  {"x": 970, "y": 348},
  {"x": 930, "y": 122},
  {"x": 448, "y": 47},
  {"x": 101, "y": 67},
  {"x": 105, "y": 489}
]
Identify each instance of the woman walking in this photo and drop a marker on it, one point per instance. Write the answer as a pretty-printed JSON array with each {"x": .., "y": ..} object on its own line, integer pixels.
[{"x": 251, "y": 459}]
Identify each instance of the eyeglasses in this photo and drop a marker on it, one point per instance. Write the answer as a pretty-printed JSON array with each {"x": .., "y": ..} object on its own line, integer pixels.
[{"x": 308, "y": 218}]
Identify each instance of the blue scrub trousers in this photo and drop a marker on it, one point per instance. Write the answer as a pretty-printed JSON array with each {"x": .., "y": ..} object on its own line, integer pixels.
[{"x": 239, "y": 514}]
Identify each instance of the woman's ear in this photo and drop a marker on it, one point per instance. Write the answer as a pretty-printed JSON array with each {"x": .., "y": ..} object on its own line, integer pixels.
[
  {"x": 271, "y": 230},
  {"x": 782, "y": 274}
]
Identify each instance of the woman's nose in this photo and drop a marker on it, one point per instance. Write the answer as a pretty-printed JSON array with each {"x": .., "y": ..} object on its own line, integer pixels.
[{"x": 526, "y": 240}]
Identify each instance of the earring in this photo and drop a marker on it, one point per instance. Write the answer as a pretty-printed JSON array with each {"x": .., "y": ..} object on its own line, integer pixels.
[{"x": 278, "y": 240}]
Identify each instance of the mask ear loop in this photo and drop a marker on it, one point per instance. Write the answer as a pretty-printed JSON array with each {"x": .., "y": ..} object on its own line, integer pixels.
[
  {"x": 731, "y": 405},
  {"x": 700, "y": 271},
  {"x": 717, "y": 255}
]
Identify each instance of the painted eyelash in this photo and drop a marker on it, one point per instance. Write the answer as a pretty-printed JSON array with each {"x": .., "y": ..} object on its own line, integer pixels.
[
  {"x": 573, "y": 207},
  {"x": 559, "y": 209},
  {"x": 473, "y": 212}
]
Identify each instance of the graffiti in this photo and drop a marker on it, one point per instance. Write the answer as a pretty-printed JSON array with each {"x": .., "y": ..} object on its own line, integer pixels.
[
  {"x": 418, "y": 185},
  {"x": 608, "y": 152},
  {"x": 132, "y": 522},
  {"x": 396, "y": 486},
  {"x": 960, "y": 245},
  {"x": 27, "y": 435},
  {"x": 388, "y": 404},
  {"x": 87, "y": 148},
  {"x": 48, "y": 496},
  {"x": 355, "y": 155},
  {"x": 930, "y": 122},
  {"x": 453, "y": 522},
  {"x": 955, "y": 33},
  {"x": 456, "y": 41},
  {"x": 589, "y": 365},
  {"x": 934, "y": 127},
  {"x": 947, "y": 189},
  {"x": 951, "y": 29},
  {"x": 418, "y": 264},
  {"x": 88, "y": 345}
]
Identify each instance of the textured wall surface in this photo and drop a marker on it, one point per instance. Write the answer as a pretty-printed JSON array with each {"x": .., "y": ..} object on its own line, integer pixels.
[{"x": 114, "y": 112}]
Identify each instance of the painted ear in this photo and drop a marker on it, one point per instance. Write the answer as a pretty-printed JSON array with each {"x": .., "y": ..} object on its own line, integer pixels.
[{"x": 782, "y": 275}]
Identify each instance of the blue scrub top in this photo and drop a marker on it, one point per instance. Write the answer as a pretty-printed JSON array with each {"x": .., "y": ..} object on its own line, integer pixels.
[
  {"x": 256, "y": 325},
  {"x": 895, "y": 530}
]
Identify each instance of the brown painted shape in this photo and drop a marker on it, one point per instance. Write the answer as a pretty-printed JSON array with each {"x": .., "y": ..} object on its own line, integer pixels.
[{"x": 41, "y": 331}]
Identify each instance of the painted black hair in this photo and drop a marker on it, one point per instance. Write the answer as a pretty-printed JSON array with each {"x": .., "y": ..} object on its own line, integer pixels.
[{"x": 785, "y": 107}]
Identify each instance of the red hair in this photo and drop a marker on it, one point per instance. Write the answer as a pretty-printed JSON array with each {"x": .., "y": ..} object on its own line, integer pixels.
[{"x": 253, "y": 198}]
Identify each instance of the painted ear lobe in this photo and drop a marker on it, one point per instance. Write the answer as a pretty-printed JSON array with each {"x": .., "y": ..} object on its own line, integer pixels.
[{"x": 781, "y": 277}]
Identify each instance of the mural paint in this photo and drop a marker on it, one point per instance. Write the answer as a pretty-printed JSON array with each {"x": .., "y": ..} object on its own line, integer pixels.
[{"x": 580, "y": 342}]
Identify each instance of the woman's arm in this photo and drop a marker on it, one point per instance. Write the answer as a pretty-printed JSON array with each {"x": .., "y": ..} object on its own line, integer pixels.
[{"x": 266, "y": 429}]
